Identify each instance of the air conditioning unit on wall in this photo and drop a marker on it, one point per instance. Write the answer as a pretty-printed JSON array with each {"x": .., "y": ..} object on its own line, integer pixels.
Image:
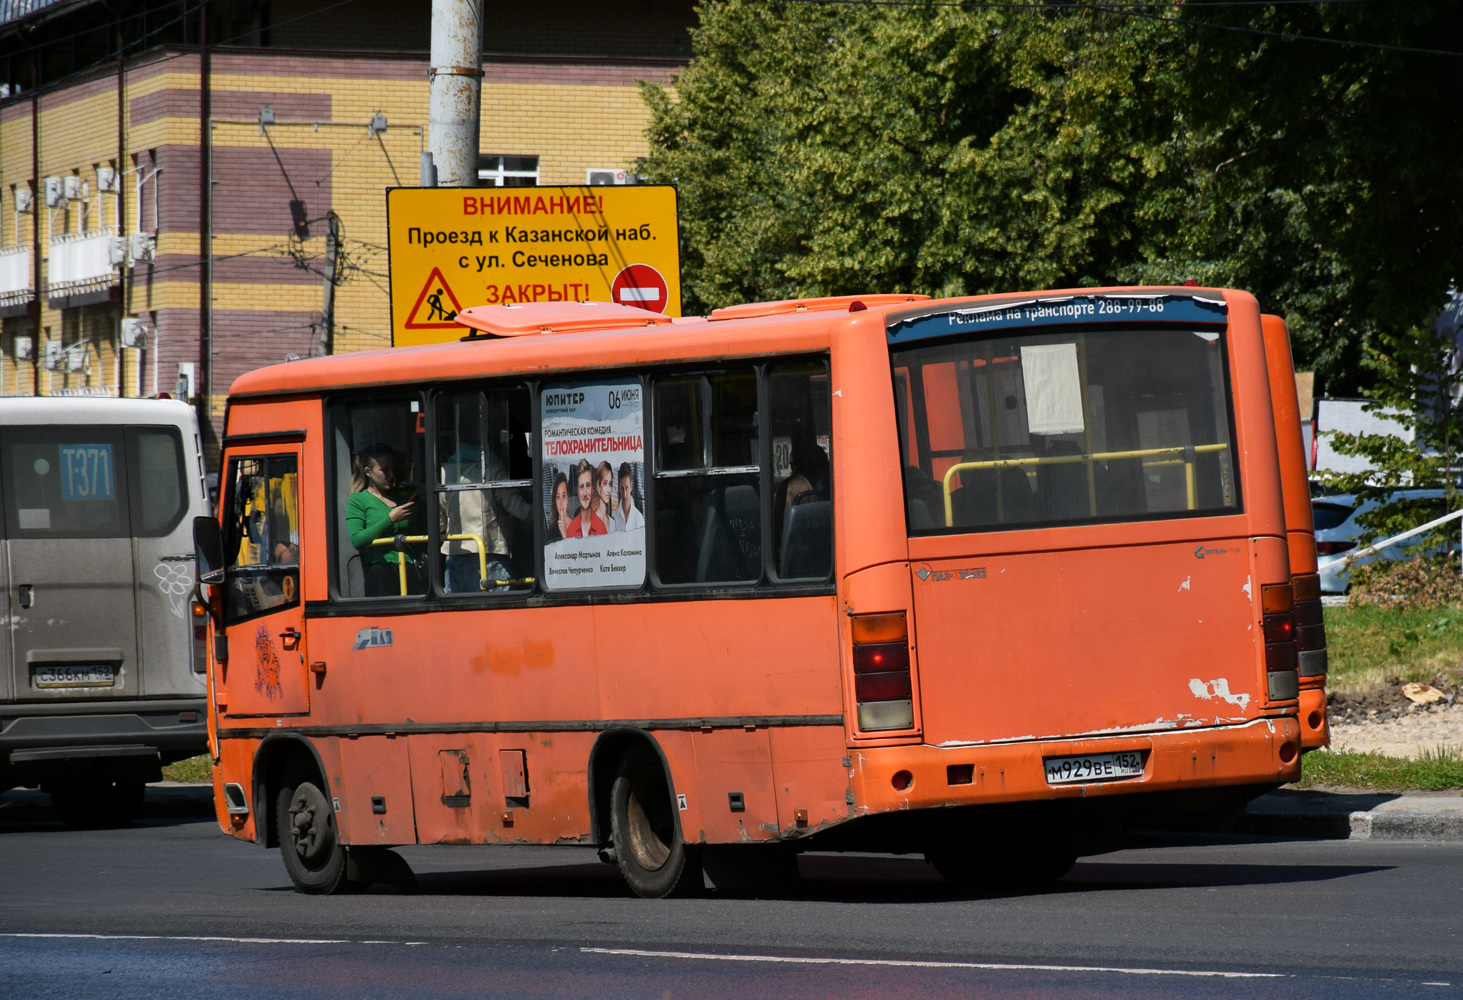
[
  {"x": 132, "y": 332},
  {"x": 51, "y": 355},
  {"x": 140, "y": 246},
  {"x": 25, "y": 199},
  {"x": 24, "y": 349},
  {"x": 54, "y": 192},
  {"x": 608, "y": 176}
]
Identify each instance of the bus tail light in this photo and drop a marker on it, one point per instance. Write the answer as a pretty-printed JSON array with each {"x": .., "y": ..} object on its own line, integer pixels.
[
  {"x": 882, "y": 685},
  {"x": 1310, "y": 626},
  {"x": 200, "y": 637},
  {"x": 1334, "y": 548},
  {"x": 1277, "y": 600}
]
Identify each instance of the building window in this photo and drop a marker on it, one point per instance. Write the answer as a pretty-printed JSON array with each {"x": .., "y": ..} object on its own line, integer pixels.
[{"x": 508, "y": 171}]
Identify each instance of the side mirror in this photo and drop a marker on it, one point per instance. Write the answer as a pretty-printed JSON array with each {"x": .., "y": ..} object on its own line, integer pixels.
[{"x": 208, "y": 550}]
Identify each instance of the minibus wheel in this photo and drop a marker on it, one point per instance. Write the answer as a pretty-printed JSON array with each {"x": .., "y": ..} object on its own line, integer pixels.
[
  {"x": 653, "y": 858},
  {"x": 305, "y": 823}
]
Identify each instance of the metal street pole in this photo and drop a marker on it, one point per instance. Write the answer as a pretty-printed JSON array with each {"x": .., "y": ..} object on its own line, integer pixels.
[{"x": 456, "y": 96}]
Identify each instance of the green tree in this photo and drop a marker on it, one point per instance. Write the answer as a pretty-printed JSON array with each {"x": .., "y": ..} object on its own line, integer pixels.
[{"x": 826, "y": 149}]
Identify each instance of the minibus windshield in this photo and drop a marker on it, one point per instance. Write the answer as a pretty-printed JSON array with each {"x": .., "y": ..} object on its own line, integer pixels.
[{"x": 1033, "y": 429}]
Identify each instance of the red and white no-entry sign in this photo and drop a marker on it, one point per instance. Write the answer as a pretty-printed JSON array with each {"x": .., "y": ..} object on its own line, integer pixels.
[{"x": 642, "y": 286}]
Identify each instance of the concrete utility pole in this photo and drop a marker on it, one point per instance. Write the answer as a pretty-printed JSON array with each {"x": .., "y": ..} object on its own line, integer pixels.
[{"x": 456, "y": 97}]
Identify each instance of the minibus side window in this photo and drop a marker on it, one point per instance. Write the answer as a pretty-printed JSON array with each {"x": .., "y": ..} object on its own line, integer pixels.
[
  {"x": 160, "y": 486},
  {"x": 261, "y": 536},
  {"x": 65, "y": 482},
  {"x": 483, "y": 486},
  {"x": 381, "y": 480},
  {"x": 708, "y": 478},
  {"x": 802, "y": 492}
]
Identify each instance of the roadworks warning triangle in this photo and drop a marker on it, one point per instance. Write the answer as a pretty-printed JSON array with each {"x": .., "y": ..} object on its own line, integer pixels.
[{"x": 432, "y": 305}]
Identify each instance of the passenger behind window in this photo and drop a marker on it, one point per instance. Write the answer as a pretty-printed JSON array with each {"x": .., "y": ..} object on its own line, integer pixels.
[
  {"x": 807, "y": 483},
  {"x": 478, "y": 512},
  {"x": 377, "y": 509}
]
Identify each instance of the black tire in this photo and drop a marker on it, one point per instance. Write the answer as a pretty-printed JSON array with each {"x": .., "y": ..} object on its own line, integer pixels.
[
  {"x": 308, "y": 842},
  {"x": 653, "y": 858},
  {"x": 97, "y": 801},
  {"x": 983, "y": 870}
]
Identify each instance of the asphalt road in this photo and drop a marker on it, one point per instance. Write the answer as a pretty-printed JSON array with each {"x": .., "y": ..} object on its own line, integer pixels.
[{"x": 172, "y": 908}]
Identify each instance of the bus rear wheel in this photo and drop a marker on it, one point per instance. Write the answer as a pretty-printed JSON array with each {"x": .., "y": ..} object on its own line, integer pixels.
[
  {"x": 653, "y": 858},
  {"x": 308, "y": 841}
]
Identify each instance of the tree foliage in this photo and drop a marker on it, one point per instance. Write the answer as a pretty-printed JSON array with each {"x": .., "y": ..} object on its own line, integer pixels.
[{"x": 829, "y": 149}]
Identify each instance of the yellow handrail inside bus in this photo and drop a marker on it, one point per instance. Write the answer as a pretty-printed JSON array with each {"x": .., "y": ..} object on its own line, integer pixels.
[
  {"x": 1101, "y": 456},
  {"x": 482, "y": 557}
]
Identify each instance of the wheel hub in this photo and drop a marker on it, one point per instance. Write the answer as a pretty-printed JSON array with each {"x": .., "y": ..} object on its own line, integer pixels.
[{"x": 310, "y": 824}]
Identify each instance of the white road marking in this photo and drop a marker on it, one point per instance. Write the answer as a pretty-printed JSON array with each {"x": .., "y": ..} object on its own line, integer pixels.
[
  {"x": 903, "y": 963},
  {"x": 200, "y": 937}
]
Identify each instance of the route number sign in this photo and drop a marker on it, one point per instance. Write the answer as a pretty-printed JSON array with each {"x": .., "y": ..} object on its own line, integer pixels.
[{"x": 454, "y": 248}]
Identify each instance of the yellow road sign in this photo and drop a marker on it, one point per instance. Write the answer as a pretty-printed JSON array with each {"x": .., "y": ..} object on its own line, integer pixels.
[{"x": 454, "y": 248}]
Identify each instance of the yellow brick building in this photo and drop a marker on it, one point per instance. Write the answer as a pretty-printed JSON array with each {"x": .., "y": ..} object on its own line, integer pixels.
[{"x": 109, "y": 281}]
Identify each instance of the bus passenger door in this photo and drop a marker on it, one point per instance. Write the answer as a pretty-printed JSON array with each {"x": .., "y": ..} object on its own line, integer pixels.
[{"x": 266, "y": 672}]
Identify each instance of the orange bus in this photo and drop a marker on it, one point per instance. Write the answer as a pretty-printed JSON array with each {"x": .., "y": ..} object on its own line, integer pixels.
[
  {"x": 1300, "y": 535},
  {"x": 983, "y": 578}
]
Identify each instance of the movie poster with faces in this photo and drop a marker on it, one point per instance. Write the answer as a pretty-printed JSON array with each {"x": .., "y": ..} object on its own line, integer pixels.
[{"x": 593, "y": 485}]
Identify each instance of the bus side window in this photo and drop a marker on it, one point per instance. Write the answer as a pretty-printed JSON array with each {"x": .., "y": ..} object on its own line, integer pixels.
[
  {"x": 381, "y": 479},
  {"x": 484, "y": 475},
  {"x": 707, "y": 500},
  {"x": 802, "y": 492},
  {"x": 160, "y": 495}
]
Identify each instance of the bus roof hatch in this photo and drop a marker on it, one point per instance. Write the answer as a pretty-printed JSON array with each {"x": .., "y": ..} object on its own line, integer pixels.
[{"x": 554, "y": 317}]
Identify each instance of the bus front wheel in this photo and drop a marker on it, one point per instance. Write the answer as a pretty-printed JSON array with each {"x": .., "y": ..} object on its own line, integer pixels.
[
  {"x": 653, "y": 858},
  {"x": 305, "y": 823}
]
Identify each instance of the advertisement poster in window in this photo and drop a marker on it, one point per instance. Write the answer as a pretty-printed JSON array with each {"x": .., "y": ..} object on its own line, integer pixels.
[{"x": 594, "y": 485}]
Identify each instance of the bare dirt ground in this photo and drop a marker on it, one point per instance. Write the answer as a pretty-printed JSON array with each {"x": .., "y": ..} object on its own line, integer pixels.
[{"x": 1387, "y": 722}]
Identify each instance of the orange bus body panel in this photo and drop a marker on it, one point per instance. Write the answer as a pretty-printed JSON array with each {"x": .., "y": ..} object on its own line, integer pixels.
[{"x": 479, "y": 725}]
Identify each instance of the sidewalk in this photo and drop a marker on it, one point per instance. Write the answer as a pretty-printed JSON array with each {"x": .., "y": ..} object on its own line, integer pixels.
[{"x": 1341, "y": 814}]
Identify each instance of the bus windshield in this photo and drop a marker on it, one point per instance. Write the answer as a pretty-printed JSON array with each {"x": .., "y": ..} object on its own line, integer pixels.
[{"x": 1065, "y": 427}]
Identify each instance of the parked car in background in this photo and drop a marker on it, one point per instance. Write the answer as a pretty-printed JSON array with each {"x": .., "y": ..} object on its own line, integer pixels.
[{"x": 1337, "y": 533}]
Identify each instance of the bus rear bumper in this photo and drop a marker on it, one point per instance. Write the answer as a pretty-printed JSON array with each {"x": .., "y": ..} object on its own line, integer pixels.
[
  {"x": 888, "y": 779},
  {"x": 37, "y": 740}
]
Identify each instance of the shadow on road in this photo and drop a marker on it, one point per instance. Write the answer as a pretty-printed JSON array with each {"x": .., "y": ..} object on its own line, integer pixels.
[
  {"x": 863, "y": 879},
  {"x": 24, "y": 810}
]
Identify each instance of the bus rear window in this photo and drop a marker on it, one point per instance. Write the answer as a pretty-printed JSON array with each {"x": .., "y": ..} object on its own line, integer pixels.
[{"x": 1068, "y": 427}]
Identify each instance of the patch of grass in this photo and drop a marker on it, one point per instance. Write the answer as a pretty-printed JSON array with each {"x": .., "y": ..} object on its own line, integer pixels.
[
  {"x": 1433, "y": 770},
  {"x": 1367, "y": 645},
  {"x": 193, "y": 769}
]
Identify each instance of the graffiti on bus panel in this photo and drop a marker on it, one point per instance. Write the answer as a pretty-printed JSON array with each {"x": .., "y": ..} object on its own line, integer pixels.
[{"x": 593, "y": 485}]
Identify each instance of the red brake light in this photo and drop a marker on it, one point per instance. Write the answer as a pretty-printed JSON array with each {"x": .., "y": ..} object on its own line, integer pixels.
[
  {"x": 1279, "y": 628},
  {"x": 880, "y": 657}
]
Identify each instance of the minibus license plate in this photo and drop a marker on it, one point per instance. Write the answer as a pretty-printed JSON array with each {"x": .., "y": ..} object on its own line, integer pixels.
[
  {"x": 87, "y": 675},
  {"x": 1093, "y": 767}
]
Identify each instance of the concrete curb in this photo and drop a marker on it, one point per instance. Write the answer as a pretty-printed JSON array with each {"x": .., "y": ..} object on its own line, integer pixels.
[{"x": 1344, "y": 815}]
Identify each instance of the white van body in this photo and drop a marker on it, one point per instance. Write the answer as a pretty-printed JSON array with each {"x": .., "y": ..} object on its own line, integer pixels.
[{"x": 101, "y": 673}]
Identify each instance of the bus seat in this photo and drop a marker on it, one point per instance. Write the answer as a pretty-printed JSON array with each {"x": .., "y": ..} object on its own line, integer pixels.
[
  {"x": 1017, "y": 502},
  {"x": 807, "y": 541},
  {"x": 355, "y": 577},
  {"x": 974, "y": 503},
  {"x": 743, "y": 518},
  {"x": 1063, "y": 488},
  {"x": 717, "y": 559},
  {"x": 919, "y": 515}
]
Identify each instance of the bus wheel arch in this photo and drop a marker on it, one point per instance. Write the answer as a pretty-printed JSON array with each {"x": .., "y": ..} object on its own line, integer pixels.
[
  {"x": 635, "y": 816},
  {"x": 273, "y": 760}
]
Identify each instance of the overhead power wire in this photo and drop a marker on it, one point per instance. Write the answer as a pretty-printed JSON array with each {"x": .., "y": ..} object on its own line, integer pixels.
[{"x": 1140, "y": 10}]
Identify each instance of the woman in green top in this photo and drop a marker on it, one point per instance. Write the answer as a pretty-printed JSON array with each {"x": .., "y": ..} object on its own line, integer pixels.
[{"x": 377, "y": 509}]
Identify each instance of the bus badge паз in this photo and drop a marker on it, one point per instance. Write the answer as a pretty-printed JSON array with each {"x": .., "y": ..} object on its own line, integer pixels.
[{"x": 668, "y": 588}]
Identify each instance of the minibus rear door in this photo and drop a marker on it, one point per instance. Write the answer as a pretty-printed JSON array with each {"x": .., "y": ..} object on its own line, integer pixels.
[{"x": 73, "y": 610}]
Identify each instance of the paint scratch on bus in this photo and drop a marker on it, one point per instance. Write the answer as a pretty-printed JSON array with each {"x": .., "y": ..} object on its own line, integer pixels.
[
  {"x": 1185, "y": 585},
  {"x": 1218, "y": 688},
  {"x": 1249, "y": 591}
]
